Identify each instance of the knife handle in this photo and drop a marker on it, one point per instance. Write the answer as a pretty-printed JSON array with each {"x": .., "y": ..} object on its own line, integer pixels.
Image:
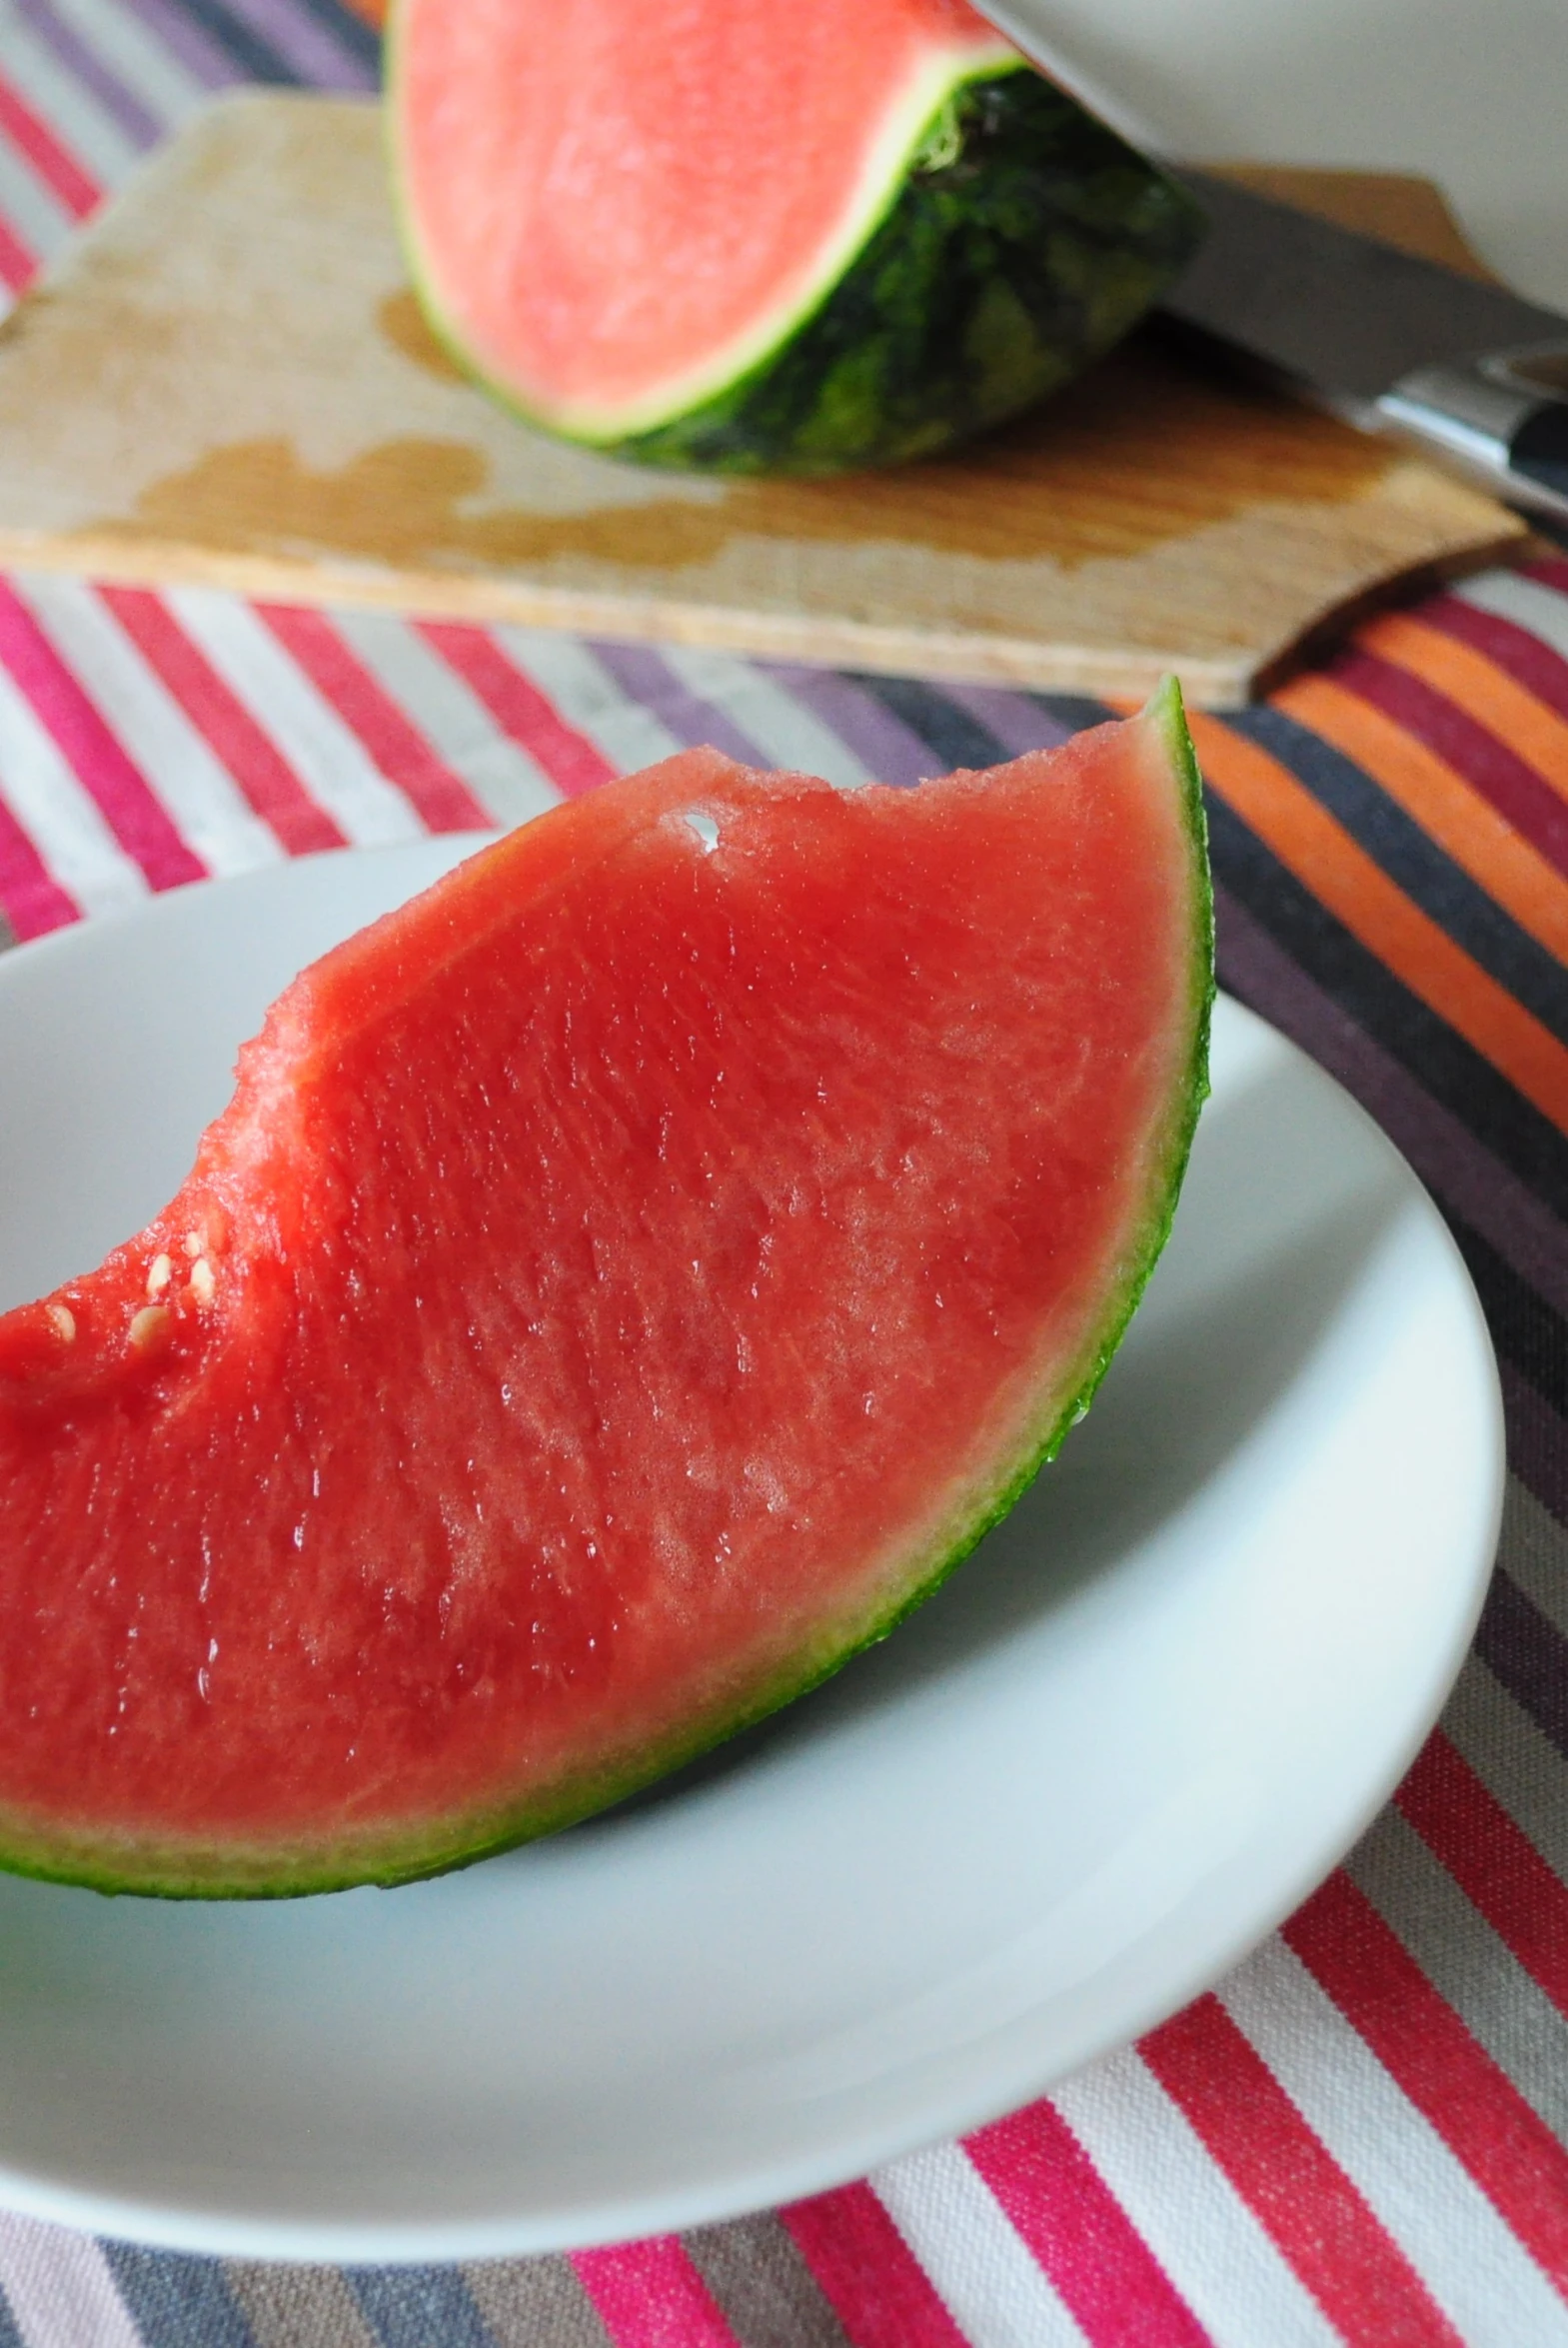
[{"x": 1502, "y": 418}]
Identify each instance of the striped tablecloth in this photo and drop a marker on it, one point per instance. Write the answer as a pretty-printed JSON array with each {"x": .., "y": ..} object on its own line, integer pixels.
[{"x": 1362, "y": 2134}]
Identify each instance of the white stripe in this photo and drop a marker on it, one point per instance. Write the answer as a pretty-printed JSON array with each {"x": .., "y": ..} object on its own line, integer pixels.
[
  {"x": 588, "y": 698},
  {"x": 1541, "y": 610},
  {"x": 1236, "y": 2283},
  {"x": 1479, "y": 2273},
  {"x": 1465, "y": 1959},
  {"x": 326, "y": 753},
  {"x": 63, "y": 821},
  {"x": 202, "y": 799},
  {"x": 30, "y": 206},
  {"x": 67, "y": 105},
  {"x": 992, "y": 2286},
  {"x": 149, "y": 70},
  {"x": 450, "y": 715},
  {"x": 61, "y": 2291},
  {"x": 790, "y": 734}
]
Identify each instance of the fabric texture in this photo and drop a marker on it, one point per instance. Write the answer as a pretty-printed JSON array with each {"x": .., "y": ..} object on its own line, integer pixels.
[{"x": 1362, "y": 2134}]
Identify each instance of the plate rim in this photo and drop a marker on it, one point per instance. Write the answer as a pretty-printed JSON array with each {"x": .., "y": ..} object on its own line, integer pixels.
[{"x": 172, "y": 2225}]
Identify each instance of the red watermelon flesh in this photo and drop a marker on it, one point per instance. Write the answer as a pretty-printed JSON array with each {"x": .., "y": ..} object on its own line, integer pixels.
[
  {"x": 618, "y": 209},
  {"x": 624, "y": 1280}
]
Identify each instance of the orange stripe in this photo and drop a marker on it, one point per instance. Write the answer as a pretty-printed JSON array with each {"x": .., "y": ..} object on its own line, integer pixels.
[
  {"x": 1463, "y": 823},
  {"x": 1480, "y": 687},
  {"x": 1326, "y": 859}
]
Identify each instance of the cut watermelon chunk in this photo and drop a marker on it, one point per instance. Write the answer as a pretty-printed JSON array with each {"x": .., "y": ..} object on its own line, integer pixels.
[
  {"x": 763, "y": 239},
  {"x": 624, "y": 1281}
]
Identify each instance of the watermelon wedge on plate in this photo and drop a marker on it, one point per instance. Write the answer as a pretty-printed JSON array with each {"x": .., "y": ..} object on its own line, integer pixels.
[
  {"x": 625, "y": 1281},
  {"x": 726, "y": 235}
]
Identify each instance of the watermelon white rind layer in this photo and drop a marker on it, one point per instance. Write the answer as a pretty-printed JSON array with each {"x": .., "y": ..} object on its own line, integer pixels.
[
  {"x": 402, "y": 1848},
  {"x": 996, "y": 242}
]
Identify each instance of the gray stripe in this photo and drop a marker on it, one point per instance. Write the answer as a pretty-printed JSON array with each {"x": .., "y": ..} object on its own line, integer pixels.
[
  {"x": 1534, "y": 1549},
  {"x": 534, "y": 2303},
  {"x": 7, "y": 933},
  {"x": 298, "y": 2306},
  {"x": 173, "y": 2298},
  {"x": 10, "y": 2330},
  {"x": 1513, "y": 1759},
  {"x": 764, "y": 2285},
  {"x": 1463, "y": 1956},
  {"x": 418, "y": 2306}
]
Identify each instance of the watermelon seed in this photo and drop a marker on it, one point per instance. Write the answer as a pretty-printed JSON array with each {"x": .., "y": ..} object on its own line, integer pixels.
[
  {"x": 203, "y": 1286},
  {"x": 159, "y": 1274},
  {"x": 64, "y": 1320},
  {"x": 195, "y": 1245},
  {"x": 148, "y": 1325},
  {"x": 703, "y": 826}
]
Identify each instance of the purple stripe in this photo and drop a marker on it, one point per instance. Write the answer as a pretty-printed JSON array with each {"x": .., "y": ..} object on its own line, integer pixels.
[
  {"x": 304, "y": 43},
  {"x": 645, "y": 677},
  {"x": 1537, "y": 1442},
  {"x": 85, "y": 66},
  {"x": 1018, "y": 723},
  {"x": 1526, "y": 1654},
  {"x": 199, "y": 55},
  {"x": 1453, "y": 1164},
  {"x": 884, "y": 745}
]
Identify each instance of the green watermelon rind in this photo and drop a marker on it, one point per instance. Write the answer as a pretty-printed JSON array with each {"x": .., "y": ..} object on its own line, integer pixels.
[
  {"x": 432, "y": 1848},
  {"x": 1017, "y": 242}
]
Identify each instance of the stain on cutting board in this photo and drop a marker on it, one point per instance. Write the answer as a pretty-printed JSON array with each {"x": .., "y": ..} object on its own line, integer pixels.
[{"x": 227, "y": 380}]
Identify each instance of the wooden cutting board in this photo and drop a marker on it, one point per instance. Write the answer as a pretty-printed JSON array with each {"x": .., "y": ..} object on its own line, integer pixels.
[{"x": 227, "y": 380}]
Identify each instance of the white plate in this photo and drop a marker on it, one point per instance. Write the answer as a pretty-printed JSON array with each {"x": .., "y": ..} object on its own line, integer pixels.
[{"x": 1128, "y": 1737}]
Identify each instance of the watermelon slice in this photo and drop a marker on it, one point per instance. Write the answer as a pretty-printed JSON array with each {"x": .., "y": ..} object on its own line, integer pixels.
[
  {"x": 624, "y": 1281},
  {"x": 756, "y": 239}
]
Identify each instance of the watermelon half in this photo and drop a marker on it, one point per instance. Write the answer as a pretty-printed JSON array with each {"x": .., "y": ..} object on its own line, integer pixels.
[
  {"x": 624, "y": 1281},
  {"x": 733, "y": 236}
]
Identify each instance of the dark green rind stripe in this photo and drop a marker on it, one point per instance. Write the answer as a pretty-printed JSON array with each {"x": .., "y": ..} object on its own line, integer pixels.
[
  {"x": 1020, "y": 252},
  {"x": 412, "y": 1854},
  {"x": 1022, "y": 240}
]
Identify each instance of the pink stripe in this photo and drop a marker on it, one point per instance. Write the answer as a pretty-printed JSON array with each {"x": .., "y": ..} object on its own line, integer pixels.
[
  {"x": 573, "y": 763},
  {"x": 1493, "y": 1863},
  {"x": 649, "y": 2295},
  {"x": 1312, "y": 2212},
  {"x": 267, "y": 781},
  {"x": 440, "y": 799},
  {"x": 31, "y": 899},
  {"x": 1419, "y": 2039},
  {"x": 1089, "y": 2248},
  {"x": 133, "y": 814},
  {"x": 54, "y": 165},
  {"x": 880, "y": 2291},
  {"x": 17, "y": 265}
]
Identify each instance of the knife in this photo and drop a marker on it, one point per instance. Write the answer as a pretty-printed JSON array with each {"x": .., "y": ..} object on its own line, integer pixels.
[{"x": 1467, "y": 371}]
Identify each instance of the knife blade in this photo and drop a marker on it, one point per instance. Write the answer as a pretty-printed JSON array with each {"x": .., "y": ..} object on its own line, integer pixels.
[
  {"x": 1467, "y": 369},
  {"x": 1468, "y": 372}
]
